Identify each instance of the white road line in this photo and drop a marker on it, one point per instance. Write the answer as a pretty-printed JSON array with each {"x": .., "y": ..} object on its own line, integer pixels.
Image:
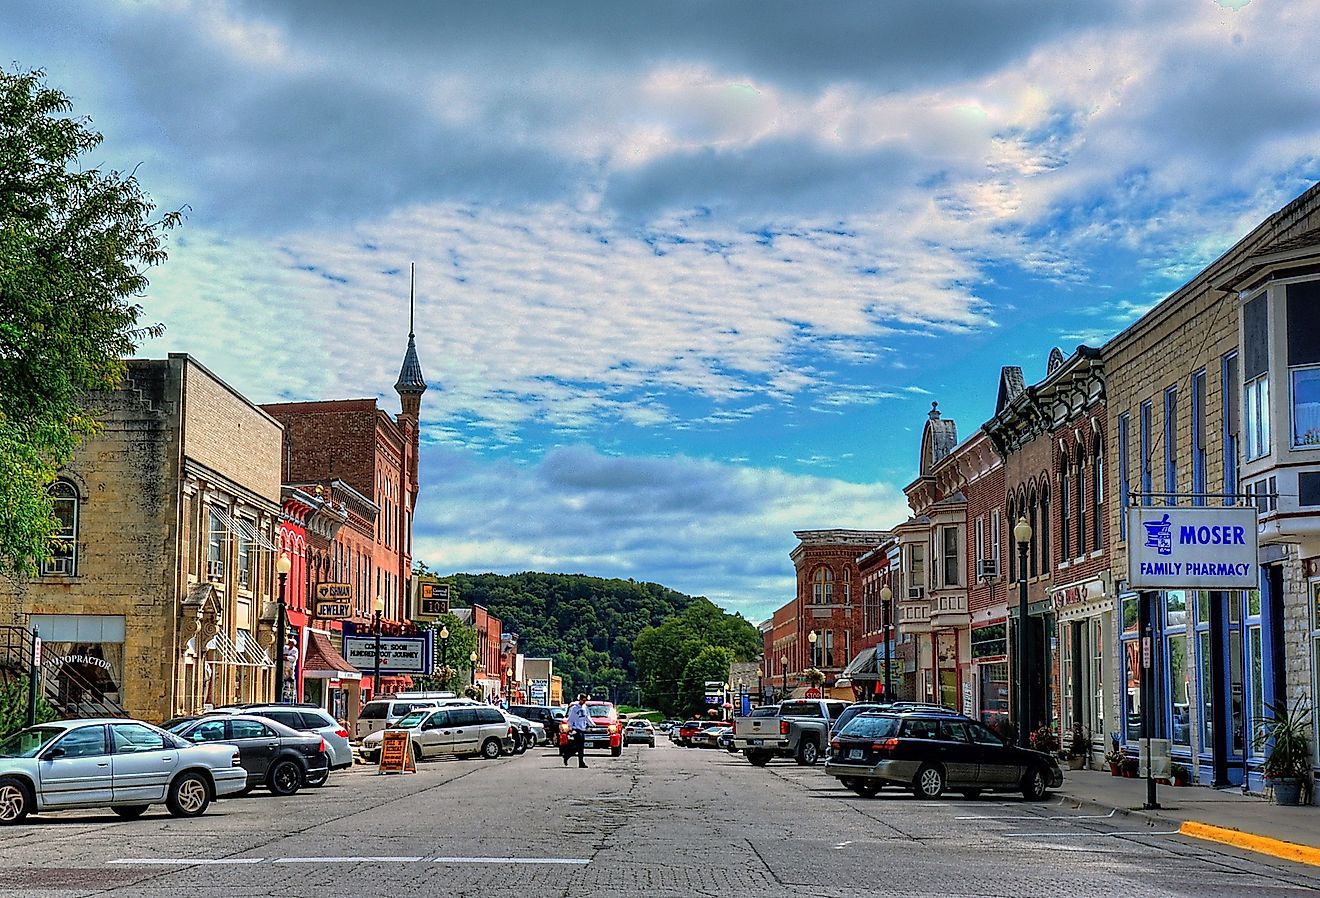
[
  {"x": 573, "y": 861},
  {"x": 1065, "y": 835},
  {"x": 186, "y": 861},
  {"x": 372, "y": 859},
  {"x": 1031, "y": 817}
]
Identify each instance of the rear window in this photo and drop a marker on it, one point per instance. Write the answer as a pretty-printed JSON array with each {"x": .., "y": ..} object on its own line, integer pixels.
[
  {"x": 374, "y": 711},
  {"x": 800, "y": 709},
  {"x": 315, "y": 719},
  {"x": 764, "y": 711},
  {"x": 489, "y": 715},
  {"x": 865, "y": 727},
  {"x": 288, "y": 718}
]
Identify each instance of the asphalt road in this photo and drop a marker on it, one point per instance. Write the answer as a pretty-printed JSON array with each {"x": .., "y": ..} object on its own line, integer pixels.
[{"x": 663, "y": 821}]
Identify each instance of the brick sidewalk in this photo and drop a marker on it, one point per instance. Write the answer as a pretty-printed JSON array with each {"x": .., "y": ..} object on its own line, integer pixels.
[{"x": 1227, "y": 808}]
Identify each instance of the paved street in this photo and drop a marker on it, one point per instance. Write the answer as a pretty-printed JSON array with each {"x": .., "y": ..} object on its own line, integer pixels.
[{"x": 666, "y": 821}]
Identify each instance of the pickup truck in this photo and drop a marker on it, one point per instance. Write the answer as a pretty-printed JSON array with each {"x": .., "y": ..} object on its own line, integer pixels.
[{"x": 798, "y": 729}]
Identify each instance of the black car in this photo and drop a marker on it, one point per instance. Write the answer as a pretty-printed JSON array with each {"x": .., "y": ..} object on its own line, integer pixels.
[
  {"x": 547, "y": 716},
  {"x": 929, "y": 752},
  {"x": 856, "y": 708},
  {"x": 274, "y": 755}
]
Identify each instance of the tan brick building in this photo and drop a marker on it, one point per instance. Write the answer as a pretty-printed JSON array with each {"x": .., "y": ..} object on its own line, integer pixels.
[{"x": 162, "y": 602}]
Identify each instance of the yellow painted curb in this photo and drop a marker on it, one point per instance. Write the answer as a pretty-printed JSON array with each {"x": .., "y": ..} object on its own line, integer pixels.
[{"x": 1289, "y": 851}]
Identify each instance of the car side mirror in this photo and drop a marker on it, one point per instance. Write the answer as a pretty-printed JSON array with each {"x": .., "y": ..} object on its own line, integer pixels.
[{"x": 54, "y": 753}]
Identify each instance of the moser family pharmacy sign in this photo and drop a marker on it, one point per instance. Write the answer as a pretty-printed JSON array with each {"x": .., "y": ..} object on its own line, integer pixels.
[{"x": 1192, "y": 548}]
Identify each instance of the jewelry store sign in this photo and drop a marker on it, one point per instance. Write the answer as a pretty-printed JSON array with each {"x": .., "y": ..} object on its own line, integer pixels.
[
  {"x": 1192, "y": 548},
  {"x": 334, "y": 600}
]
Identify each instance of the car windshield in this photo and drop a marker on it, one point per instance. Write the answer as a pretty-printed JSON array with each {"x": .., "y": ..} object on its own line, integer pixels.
[
  {"x": 865, "y": 726},
  {"x": 601, "y": 711},
  {"x": 175, "y": 726},
  {"x": 800, "y": 709},
  {"x": 411, "y": 719},
  {"x": 26, "y": 743}
]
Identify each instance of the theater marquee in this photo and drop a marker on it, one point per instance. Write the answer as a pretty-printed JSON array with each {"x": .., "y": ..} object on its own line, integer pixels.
[{"x": 1192, "y": 548}]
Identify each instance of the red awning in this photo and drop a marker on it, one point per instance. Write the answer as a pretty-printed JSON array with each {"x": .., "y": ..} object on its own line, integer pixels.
[{"x": 322, "y": 660}]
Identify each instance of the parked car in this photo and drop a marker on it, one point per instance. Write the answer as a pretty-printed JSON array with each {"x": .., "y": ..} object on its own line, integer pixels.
[
  {"x": 928, "y": 752},
  {"x": 707, "y": 733},
  {"x": 452, "y": 730},
  {"x": 275, "y": 756},
  {"x": 308, "y": 718},
  {"x": 799, "y": 729},
  {"x": 848, "y": 713},
  {"x": 124, "y": 765},
  {"x": 548, "y": 716},
  {"x": 640, "y": 731},
  {"x": 605, "y": 730},
  {"x": 686, "y": 730},
  {"x": 725, "y": 740},
  {"x": 526, "y": 733},
  {"x": 380, "y": 713}
]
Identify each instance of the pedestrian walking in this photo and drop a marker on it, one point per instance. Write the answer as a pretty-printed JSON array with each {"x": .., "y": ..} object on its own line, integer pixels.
[{"x": 578, "y": 721}]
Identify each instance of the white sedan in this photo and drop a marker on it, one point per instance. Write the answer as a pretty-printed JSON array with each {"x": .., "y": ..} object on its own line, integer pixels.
[{"x": 124, "y": 765}]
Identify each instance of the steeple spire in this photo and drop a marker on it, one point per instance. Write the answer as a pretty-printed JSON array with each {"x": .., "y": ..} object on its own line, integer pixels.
[{"x": 411, "y": 382}]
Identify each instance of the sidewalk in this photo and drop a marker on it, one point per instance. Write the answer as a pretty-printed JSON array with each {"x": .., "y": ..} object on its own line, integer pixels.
[{"x": 1244, "y": 821}]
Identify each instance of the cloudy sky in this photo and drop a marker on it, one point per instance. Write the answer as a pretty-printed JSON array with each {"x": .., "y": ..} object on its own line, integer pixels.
[{"x": 689, "y": 273}]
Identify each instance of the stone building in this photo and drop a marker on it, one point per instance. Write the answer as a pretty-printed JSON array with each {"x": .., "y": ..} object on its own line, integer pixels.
[{"x": 161, "y": 603}]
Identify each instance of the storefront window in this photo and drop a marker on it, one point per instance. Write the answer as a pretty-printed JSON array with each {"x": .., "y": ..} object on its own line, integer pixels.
[
  {"x": 1066, "y": 675},
  {"x": 1098, "y": 678},
  {"x": 1237, "y": 735},
  {"x": 1207, "y": 691},
  {"x": 1180, "y": 691},
  {"x": 1257, "y": 708},
  {"x": 994, "y": 693},
  {"x": 1175, "y": 606},
  {"x": 1130, "y": 615}
]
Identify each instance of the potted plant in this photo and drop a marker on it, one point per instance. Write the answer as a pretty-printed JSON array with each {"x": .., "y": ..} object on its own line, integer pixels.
[
  {"x": 1180, "y": 775},
  {"x": 1043, "y": 739},
  {"x": 1079, "y": 747},
  {"x": 1285, "y": 738},
  {"x": 1114, "y": 757},
  {"x": 813, "y": 676},
  {"x": 1129, "y": 768}
]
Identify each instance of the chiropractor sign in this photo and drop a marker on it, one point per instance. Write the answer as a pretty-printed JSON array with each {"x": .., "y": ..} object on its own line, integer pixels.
[{"x": 1192, "y": 548}]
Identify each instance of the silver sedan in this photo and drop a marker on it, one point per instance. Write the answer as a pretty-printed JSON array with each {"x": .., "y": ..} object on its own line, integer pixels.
[{"x": 124, "y": 765}]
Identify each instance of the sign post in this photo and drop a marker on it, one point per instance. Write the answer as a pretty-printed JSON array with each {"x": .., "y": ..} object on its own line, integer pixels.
[{"x": 396, "y": 753}]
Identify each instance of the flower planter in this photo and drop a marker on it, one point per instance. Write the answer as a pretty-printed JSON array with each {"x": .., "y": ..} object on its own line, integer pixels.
[
  {"x": 1077, "y": 762},
  {"x": 1287, "y": 792},
  {"x": 1115, "y": 768}
]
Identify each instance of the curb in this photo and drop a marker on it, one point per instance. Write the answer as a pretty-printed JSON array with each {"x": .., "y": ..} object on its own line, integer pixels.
[{"x": 1288, "y": 851}]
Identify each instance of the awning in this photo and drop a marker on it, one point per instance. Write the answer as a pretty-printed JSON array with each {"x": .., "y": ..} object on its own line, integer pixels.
[
  {"x": 322, "y": 661},
  {"x": 864, "y": 666},
  {"x": 251, "y": 652}
]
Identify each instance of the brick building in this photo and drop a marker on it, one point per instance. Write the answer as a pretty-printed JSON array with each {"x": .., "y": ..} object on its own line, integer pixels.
[{"x": 161, "y": 603}]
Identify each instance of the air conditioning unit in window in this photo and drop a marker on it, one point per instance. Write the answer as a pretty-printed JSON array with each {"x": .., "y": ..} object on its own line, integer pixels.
[
  {"x": 215, "y": 570},
  {"x": 916, "y": 593},
  {"x": 988, "y": 568}
]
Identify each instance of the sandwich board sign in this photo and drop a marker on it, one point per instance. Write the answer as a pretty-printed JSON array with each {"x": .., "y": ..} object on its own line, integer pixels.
[{"x": 396, "y": 753}]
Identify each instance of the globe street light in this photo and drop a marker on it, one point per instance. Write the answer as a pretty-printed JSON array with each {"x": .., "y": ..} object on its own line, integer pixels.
[
  {"x": 379, "y": 606},
  {"x": 473, "y": 659},
  {"x": 783, "y": 673},
  {"x": 886, "y": 596},
  {"x": 811, "y": 638},
  {"x": 444, "y": 653},
  {"x": 1022, "y": 536},
  {"x": 282, "y": 567}
]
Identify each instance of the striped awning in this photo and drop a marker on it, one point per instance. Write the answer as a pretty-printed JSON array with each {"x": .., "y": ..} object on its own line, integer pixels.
[{"x": 237, "y": 525}]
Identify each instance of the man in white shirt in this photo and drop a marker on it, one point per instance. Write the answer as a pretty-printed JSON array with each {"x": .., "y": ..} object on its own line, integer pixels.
[{"x": 578, "y": 721}]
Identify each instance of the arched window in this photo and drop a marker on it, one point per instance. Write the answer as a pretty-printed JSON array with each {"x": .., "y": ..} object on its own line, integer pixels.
[
  {"x": 1033, "y": 521},
  {"x": 64, "y": 553},
  {"x": 1098, "y": 495},
  {"x": 1011, "y": 512},
  {"x": 1081, "y": 503},
  {"x": 1066, "y": 509},
  {"x": 822, "y": 586},
  {"x": 1046, "y": 560}
]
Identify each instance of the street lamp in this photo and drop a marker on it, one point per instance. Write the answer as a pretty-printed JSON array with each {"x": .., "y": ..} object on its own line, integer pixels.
[
  {"x": 886, "y": 595},
  {"x": 783, "y": 673},
  {"x": 379, "y": 606},
  {"x": 811, "y": 638},
  {"x": 282, "y": 567},
  {"x": 473, "y": 659},
  {"x": 444, "y": 654},
  {"x": 1022, "y": 536}
]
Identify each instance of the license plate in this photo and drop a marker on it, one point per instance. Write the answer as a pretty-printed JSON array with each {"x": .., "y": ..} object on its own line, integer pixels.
[
  {"x": 855, "y": 754},
  {"x": 756, "y": 741}
]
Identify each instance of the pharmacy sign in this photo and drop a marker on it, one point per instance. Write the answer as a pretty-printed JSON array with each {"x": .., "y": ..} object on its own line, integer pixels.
[{"x": 1202, "y": 547}]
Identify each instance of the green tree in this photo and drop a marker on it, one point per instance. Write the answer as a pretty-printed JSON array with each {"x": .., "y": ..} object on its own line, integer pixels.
[
  {"x": 75, "y": 245},
  {"x": 664, "y": 653},
  {"x": 711, "y": 663},
  {"x": 453, "y": 667}
]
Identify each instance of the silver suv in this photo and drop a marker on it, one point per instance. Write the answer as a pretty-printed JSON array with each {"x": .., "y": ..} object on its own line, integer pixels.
[{"x": 451, "y": 730}]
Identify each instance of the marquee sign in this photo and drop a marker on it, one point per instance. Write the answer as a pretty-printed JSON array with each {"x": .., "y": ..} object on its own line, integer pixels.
[
  {"x": 1202, "y": 547},
  {"x": 398, "y": 654}
]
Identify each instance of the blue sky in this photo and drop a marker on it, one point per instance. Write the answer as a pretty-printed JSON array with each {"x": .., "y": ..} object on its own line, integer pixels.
[{"x": 689, "y": 274}]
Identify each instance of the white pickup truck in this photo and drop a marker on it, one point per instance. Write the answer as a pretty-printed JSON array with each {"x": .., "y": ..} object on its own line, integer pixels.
[{"x": 798, "y": 729}]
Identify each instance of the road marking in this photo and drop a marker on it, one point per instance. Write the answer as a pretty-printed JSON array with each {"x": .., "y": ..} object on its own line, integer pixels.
[
  {"x": 843, "y": 845},
  {"x": 1032, "y": 817},
  {"x": 573, "y": 861},
  {"x": 186, "y": 861},
  {"x": 1082, "y": 835},
  {"x": 373, "y": 859}
]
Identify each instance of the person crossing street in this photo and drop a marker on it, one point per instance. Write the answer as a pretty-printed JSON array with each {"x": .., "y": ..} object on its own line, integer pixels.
[{"x": 578, "y": 721}]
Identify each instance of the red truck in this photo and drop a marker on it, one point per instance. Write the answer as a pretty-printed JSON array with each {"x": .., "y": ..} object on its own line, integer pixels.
[{"x": 605, "y": 730}]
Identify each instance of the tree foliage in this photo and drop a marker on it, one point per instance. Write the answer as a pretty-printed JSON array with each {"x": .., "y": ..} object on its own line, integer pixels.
[
  {"x": 75, "y": 246},
  {"x": 675, "y": 658},
  {"x": 453, "y": 669}
]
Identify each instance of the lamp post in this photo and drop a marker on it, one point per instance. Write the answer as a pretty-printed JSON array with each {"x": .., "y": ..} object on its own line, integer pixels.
[
  {"x": 1022, "y": 536},
  {"x": 282, "y": 567},
  {"x": 811, "y": 638},
  {"x": 783, "y": 676},
  {"x": 444, "y": 654},
  {"x": 379, "y": 609},
  {"x": 886, "y": 595},
  {"x": 473, "y": 659}
]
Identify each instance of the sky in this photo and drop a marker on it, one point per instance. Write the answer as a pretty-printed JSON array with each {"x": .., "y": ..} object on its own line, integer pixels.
[{"x": 689, "y": 274}]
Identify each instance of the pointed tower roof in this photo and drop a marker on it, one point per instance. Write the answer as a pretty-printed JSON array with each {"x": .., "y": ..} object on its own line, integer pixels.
[{"x": 410, "y": 375}]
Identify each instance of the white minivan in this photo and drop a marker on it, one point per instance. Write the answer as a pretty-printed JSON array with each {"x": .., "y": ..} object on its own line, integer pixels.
[{"x": 380, "y": 713}]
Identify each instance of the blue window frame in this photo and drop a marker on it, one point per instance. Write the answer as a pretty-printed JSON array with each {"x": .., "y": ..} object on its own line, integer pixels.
[
  {"x": 1198, "y": 437},
  {"x": 1229, "y": 391},
  {"x": 1144, "y": 460},
  {"x": 1125, "y": 491},
  {"x": 1171, "y": 444}
]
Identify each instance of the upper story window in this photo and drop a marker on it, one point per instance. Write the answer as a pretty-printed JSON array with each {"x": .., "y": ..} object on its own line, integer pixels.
[
  {"x": 1256, "y": 377},
  {"x": 63, "y": 558},
  {"x": 822, "y": 586},
  {"x": 916, "y": 567},
  {"x": 1081, "y": 504},
  {"x": 1144, "y": 438},
  {"x": 1065, "y": 508},
  {"x": 244, "y": 560},
  {"x": 1171, "y": 442},
  {"x": 949, "y": 552},
  {"x": 1124, "y": 490},
  {"x": 1198, "y": 437},
  {"x": 1098, "y": 496},
  {"x": 1228, "y": 373},
  {"x": 215, "y": 549},
  {"x": 995, "y": 538},
  {"x": 1303, "y": 309}
]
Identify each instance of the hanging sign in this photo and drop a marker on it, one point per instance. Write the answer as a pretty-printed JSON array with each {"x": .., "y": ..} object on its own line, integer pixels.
[
  {"x": 334, "y": 601},
  {"x": 396, "y": 752},
  {"x": 1202, "y": 547}
]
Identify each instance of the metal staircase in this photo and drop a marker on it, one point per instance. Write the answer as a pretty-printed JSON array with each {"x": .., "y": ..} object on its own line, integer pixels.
[{"x": 68, "y": 692}]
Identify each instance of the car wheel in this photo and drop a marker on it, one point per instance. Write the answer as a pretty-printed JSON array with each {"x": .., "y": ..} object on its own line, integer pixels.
[
  {"x": 490, "y": 749},
  {"x": 1034, "y": 786},
  {"x": 808, "y": 753},
  {"x": 285, "y": 777},
  {"x": 865, "y": 789},
  {"x": 616, "y": 751},
  {"x": 130, "y": 811},
  {"x": 15, "y": 800},
  {"x": 929, "y": 782},
  {"x": 317, "y": 780},
  {"x": 188, "y": 796},
  {"x": 758, "y": 758}
]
